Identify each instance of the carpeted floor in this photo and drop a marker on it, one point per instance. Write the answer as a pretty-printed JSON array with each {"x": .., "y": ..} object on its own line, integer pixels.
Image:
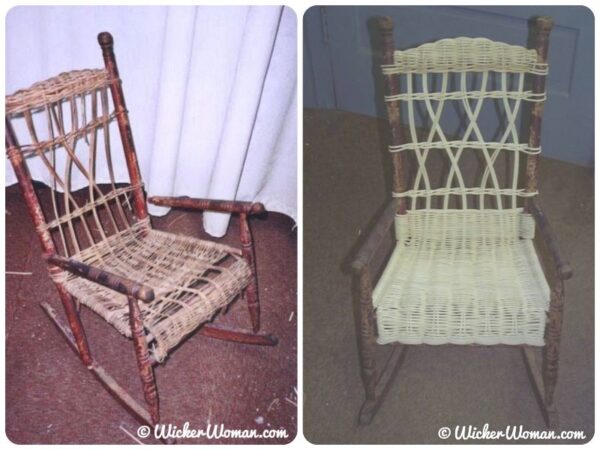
[
  {"x": 51, "y": 399},
  {"x": 345, "y": 184}
]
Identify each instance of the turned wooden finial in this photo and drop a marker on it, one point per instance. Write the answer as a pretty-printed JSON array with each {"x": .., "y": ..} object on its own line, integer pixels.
[
  {"x": 541, "y": 27},
  {"x": 386, "y": 29},
  {"x": 105, "y": 40},
  {"x": 386, "y": 24},
  {"x": 543, "y": 24}
]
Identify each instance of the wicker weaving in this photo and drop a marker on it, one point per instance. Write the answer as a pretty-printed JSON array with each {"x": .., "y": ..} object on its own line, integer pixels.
[
  {"x": 463, "y": 277},
  {"x": 191, "y": 279},
  {"x": 469, "y": 275}
]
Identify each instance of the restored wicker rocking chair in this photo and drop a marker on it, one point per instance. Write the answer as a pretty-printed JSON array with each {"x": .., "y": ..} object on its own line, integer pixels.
[
  {"x": 464, "y": 269},
  {"x": 101, "y": 249}
]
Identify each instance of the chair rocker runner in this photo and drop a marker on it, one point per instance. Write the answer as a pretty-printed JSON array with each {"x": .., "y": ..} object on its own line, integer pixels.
[
  {"x": 153, "y": 287},
  {"x": 464, "y": 269}
]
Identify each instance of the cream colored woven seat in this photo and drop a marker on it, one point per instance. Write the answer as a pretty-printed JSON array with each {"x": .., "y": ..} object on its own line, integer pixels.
[
  {"x": 463, "y": 277},
  {"x": 192, "y": 280}
]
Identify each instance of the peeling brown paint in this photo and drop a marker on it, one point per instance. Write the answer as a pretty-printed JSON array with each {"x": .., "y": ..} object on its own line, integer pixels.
[
  {"x": 203, "y": 204},
  {"x": 386, "y": 30},
  {"x": 563, "y": 268},
  {"x": 108, "y": 381},
  {"x": 240, "y": 337},
  {"x": 251, "y": 292},
  {"x": 139, "y": 203},
  {"x": 367, "y": 334},
  {"x": 100, "y": 276},
  {"x": 551, "y": 350},
  {"x": 39, "y": 221},
  {"x": 31, "y": 199},
  {"x": 143, "y": 359},
  {"x": 375, "y": 237},
  {"x": 542, "y": 28}
]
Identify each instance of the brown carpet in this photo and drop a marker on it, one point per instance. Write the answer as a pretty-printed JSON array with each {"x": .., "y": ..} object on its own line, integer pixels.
[
  {"x": 52, "y": 399},
  {"x": 345, "y": 184}
]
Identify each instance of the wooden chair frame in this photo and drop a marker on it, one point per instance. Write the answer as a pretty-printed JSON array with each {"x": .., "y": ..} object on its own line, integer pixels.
[
  {"x": 376, "y": 379},
  {"x": 135, "y": 292}
]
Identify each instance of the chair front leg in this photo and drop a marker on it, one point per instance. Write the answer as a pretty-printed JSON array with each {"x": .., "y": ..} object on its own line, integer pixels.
[
  {"x": 74, "y": 324},
  {"x": 376, "y": 381},
  {"x": 143, "y": 359},
  {"x": 552, "y": 348},
  {"x": 367, "y": 344},
  {"x": 251, "y": 292}
]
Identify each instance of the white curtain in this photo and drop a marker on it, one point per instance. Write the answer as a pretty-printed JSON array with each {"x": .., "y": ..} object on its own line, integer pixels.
[{"x": 211, "y": 93}]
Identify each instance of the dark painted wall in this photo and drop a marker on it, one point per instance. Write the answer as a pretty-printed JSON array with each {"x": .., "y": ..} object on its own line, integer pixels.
[{"x": 341, "y": 72}]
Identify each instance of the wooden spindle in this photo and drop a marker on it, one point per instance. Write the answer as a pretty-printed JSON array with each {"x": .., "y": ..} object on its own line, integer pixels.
[
  {"x": 542, "y": 26},
  {"x": 386, "y": 30},
  {"x": 105, "y": 40}
]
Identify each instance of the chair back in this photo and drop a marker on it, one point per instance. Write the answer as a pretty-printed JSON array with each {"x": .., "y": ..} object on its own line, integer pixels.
[
  {"x": 65, "y": 124},
  {"x": 456, "y": 108}
]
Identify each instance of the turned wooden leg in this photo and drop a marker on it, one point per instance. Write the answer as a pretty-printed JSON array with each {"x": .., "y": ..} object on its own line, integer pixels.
[
  {"x": 376, "y": 382},
  {"x": 75, "y": 325},
  {"x": 367, "y": 345},
  {"x": 551, "y": 351},
  {"x": 251, "y": 292},
  {"x": 143, "y": 359}
]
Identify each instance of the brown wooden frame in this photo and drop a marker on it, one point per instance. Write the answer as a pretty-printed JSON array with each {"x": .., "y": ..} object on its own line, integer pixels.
[
  {"x": 74, "y": 332},
  {"x": 377, "y": 380}
]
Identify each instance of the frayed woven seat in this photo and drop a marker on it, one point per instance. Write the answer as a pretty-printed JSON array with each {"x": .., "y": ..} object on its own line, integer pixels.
[
  {"x": 463, "y": 277},
  {"x": 192, "y": 280}
]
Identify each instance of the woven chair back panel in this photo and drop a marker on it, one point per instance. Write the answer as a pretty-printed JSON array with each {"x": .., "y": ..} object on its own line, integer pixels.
[
  {"x": 66, "y": 124},
  {"x": 461, "y": 103},
  {"x": 470, "y": 231}
]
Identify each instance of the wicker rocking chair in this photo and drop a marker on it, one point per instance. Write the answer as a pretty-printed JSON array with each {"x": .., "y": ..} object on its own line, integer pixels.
[
  {"x": 153, "y": 287},
  {"x": 464, "y": 269}
]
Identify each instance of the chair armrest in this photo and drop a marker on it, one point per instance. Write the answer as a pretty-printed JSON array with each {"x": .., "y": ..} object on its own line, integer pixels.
[
  {"x": 563, "y": 268},
  {"x": 374, "y": 238},
  {"x": 108, "y": 279},
  {"x": 248, "y": 208}
]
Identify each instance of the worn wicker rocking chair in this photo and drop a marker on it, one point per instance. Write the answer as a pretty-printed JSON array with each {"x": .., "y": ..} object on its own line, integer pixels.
[
  {"x": 464, "y": 269},
  {"x": 101, "y": 249}
]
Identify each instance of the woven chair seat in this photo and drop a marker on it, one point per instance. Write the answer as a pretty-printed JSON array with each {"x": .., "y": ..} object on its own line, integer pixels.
[
  {"x": 463, "y": 277},
  {"x": 192, "y": 280}
]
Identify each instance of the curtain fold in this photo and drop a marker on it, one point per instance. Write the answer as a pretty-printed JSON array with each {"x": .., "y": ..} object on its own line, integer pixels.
[{"x": 211, "y": 93}]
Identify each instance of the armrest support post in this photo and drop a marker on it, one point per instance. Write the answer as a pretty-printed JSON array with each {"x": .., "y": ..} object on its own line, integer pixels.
[
  {"x": 563, "y": 268},
  {"x": 374, "y": 238},
  {"x": 251, "y": 292}
]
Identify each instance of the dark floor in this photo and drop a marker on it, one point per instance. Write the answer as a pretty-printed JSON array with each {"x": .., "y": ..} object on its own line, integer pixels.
[
  {"x": 344, "y": 186},
  {"x": 52, "y": 399}
]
